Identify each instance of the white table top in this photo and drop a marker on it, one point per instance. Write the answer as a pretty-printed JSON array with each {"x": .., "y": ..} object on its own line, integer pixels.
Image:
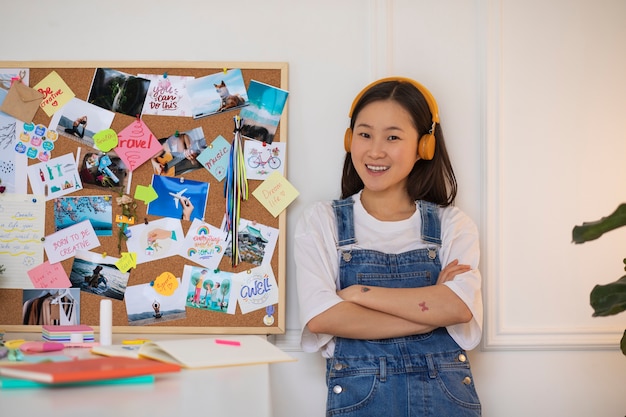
[{"x": 226, "y": 391}]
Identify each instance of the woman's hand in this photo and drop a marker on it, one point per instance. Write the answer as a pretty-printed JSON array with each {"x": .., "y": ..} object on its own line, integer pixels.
[
  {"x": 451, "y": 270},
  {"x": 187, "y": 208}
]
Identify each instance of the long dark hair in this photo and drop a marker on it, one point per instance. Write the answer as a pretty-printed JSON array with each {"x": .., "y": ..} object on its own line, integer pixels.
[{"x": 432, "y": 180}]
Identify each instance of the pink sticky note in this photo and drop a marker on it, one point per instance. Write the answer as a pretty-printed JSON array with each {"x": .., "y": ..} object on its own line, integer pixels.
[
  {"x": 137, "y": 144},
  {"x": 49, "y": 275}
]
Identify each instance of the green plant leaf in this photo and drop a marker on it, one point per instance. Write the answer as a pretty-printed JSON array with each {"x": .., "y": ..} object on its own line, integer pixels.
[
  {"x": 609, "y": 299},
  {"x": 622, "y": 344},
  {"x": 593, "y": 230}
]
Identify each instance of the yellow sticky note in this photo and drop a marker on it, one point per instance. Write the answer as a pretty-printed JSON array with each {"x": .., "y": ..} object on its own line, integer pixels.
[
  {"x": 165, "y": 284},
  {"x": 105, "y": 140},
  {"x": 127, "y": 261},
  {"x": 56, "y": 93},
  {"x": 275, "y": 193}
]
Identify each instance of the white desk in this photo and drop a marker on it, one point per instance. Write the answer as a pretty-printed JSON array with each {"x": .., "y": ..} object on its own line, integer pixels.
[{"x": 228, "y": 391}]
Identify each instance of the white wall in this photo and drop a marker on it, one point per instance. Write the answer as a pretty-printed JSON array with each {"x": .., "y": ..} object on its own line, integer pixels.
[{"x": 531, "y": 94}]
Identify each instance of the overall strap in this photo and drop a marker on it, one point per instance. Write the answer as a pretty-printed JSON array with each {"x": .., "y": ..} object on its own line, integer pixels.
[
  {"x": 431, "y": 224},
  {"x": 344, "y": 215}
]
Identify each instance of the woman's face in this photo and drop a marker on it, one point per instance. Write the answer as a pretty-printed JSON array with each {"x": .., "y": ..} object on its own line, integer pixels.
[{"x": 384, "y": 146}]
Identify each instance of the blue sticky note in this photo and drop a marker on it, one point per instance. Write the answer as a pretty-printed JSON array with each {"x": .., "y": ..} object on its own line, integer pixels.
[{"x": 215, "y": 157}]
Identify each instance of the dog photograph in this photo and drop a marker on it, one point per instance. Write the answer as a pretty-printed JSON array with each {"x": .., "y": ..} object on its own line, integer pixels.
[{"x": 217, "y": 93}]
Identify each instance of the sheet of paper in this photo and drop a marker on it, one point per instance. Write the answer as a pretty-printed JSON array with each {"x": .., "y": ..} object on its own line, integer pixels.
[
  {"x": 255, "y": 289},
  {"x": 156, "y": 240},
  {"x": 22, "y": 227},
  {"x": 66, "y": 242},
  {"x": 56, "y": 93},
  {"x": 49, "y": 275},
  {"x": 59, "y": 176},
  {"x": 12, "y": 163},
  {"x": 275, "y": 193},
  {"x": 167, "y": 95},
  {"x": 204, "y": 244},
  {"x": 262, "y": 160},
  {"x": 137, "y": 144}
]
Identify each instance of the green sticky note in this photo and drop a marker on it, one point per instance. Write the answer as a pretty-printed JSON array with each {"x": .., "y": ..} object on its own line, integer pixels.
[
  {"x": 105, "y": 140},
  {"x": 145, "y": 194}
]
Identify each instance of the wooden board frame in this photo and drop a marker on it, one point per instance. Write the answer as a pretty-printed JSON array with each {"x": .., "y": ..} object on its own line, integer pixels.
[{"x": 78, "y": 75}]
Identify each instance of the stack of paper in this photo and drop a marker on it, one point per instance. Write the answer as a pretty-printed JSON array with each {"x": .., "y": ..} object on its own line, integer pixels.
[{"x": 64, "y": 334}]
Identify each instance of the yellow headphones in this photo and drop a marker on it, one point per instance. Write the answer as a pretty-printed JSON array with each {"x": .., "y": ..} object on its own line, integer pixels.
[{"x": 426, "y": 144}]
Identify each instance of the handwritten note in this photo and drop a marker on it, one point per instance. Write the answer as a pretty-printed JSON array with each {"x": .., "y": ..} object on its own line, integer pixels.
[
  {"x": 56, "y": 93},
  {"x": 49, "y": 275},
  {"x": 137, "y": 144},
  {"x": 105, "y": 140},
  {"x": 165, "y": 284},
  {"x": 275, "y": 193},
  {"x": 64, "y": 243},
  {"x": 204, "y": 244},
  {"x": 215, "y": 158},
  {"x": 127, "y": 261},
  {"x": 22, "y": 226},
  {"x": 167, "y": 95}
]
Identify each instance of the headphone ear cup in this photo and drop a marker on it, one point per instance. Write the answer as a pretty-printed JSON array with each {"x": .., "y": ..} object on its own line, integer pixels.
[
  {"x": 426, "y": 147},
  {"x": 347, "y": 139}
]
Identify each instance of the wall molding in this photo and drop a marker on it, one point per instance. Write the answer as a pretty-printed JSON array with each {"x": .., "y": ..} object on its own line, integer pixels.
[{"x": 498, "y": 333}]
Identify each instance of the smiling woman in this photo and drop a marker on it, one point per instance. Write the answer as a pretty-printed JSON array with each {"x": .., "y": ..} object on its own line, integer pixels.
[{"x": 405, "y": 285}]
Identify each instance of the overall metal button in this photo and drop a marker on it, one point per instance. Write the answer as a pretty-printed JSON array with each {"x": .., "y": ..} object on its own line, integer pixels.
[
  {"x": 462, "y": 358},
  {"x": 338, "y": 367},
  {"x": 337, "y": 389},
  {"x": 467, "y": 380}
]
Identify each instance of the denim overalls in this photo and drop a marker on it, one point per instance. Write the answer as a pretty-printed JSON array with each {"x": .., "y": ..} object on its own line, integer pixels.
[{"x": 421, "y": 375}]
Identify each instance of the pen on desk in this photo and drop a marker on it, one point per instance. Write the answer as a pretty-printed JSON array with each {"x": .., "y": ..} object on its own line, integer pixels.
[
  {"x": 227, "y": 342},
  {"x": 81, "y": 345},
  {"x": 135, "y": 341}
]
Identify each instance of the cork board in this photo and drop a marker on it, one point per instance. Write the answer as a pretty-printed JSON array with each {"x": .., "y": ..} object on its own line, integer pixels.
[{"x": 78, "y": 76}]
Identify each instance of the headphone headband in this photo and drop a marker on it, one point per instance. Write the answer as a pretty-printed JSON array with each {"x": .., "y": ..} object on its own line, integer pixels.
[
  {"x": 426, "y": 144},
  {"x": 430, "y": 100}
]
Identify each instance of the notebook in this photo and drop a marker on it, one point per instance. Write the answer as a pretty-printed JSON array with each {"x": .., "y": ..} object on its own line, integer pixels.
[
  {"x": 12, "y": 383},
  {"x": 203, "y": 352},
  {"x": 84, "y": 370}
]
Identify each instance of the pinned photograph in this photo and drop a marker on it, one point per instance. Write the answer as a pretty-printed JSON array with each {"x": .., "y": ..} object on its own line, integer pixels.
[
  {"x": 216, "y": 93},
  {"x": 118, "y": 92},
  {"x": 180, "y": 153},
  {"x": 51, "y": 307},
  {"x": 256, "y": 242},
  {"x": 103, "y": 170},
  {"x": 80, "y": 121},
  {"x": 97, "y": 274},
  {"x": 178, "y": 198},
  {"x": 145, "y": 305},
  {"x": 262, "y": 115},
  {"x": 97, "y": 209},
  {"x": 209, "y": 289}
]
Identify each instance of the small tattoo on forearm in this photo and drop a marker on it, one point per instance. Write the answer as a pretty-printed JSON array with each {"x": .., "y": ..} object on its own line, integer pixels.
[
  {"x": 423, "y": 306},
  {"x": 364, "y": 289}
]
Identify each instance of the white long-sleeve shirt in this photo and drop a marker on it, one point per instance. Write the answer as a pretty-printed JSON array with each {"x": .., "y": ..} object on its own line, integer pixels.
[{"x": 317, "y": 263}]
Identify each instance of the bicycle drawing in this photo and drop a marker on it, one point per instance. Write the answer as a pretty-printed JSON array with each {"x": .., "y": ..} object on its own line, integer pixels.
[{"x": 256, "y": 159}]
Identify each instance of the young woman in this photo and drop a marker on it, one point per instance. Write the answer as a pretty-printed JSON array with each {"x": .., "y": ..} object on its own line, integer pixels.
[{"x": 387, "y": 276}]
